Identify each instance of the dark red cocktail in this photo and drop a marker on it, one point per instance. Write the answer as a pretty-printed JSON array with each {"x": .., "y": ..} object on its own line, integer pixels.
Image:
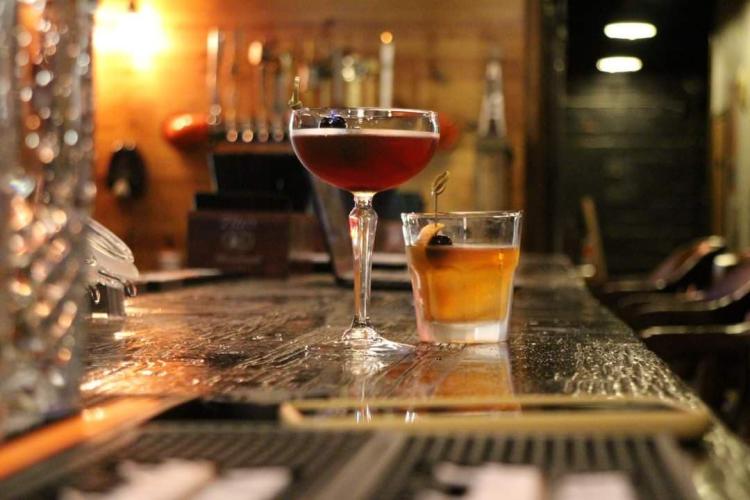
[
  {"x": 363, "y": 150},
  {"x": 364, "y": 160}
]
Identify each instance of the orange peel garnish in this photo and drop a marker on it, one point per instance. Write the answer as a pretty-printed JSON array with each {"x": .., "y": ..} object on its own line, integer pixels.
[{"x": 426, "y": 234}]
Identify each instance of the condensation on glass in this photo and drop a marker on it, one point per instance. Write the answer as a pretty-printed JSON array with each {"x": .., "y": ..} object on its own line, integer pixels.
[{"x": 46, "y": 148}]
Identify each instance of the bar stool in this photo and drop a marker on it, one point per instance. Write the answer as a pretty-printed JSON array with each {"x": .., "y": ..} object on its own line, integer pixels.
[
  {"x": 725, "y": 302},
  {"x": 722, "y": 285},
  {"x": 688, "y": 266}
]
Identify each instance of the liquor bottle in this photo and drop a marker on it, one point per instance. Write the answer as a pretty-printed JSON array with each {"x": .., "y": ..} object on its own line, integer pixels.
[{"x": 492, "y": 173}]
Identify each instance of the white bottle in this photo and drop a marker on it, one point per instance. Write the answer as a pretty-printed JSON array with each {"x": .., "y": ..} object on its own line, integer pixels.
[{"x": 492, "y": 173}]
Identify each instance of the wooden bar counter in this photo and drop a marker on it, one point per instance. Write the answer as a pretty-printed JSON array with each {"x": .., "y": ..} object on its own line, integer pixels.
[{"x": 263, "y": 342}]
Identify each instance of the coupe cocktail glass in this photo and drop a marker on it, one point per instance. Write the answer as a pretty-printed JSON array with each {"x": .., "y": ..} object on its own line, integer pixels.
[{"x": 364, "y": 151}]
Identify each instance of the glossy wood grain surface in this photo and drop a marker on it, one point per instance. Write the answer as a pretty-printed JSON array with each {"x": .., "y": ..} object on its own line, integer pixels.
[
  {"x": 266, "y": 341},
  {"x": 262, "y": 340}
]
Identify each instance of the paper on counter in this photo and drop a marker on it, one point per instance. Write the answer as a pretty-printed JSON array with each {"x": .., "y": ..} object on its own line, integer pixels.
[
  {"x": 594, "y": 486},
  {"x": 172, "y": 479},
  {"x": 177, "y": 479},
  {"x": 522, "y": 482},
  {"x": 260, "y": 483},
  {"x": 492, "y": 481}
]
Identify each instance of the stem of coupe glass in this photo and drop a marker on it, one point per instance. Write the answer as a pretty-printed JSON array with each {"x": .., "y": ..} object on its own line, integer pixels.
[{"x": 362, "y": 223}]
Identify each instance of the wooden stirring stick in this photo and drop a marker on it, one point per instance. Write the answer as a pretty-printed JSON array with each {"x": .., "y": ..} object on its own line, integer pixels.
[{"x": 438, "y": 186}]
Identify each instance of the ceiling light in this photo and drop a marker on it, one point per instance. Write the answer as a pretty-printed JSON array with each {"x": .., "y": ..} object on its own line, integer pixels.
[
  {"x": 619, "y": 64},
  {"x": 630, "y": 30}
]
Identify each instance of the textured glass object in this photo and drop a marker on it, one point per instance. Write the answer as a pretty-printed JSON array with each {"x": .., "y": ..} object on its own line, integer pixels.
[{"x": 46, "y": 148}]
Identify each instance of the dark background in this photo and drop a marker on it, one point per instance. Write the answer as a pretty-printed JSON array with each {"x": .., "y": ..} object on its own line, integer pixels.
[
  {"x": 635, "y": 142},
  {"x": 680, "y": 47}
]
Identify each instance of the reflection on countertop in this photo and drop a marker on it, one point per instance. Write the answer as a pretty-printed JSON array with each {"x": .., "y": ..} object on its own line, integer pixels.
[{"x": 263, "y": 340}]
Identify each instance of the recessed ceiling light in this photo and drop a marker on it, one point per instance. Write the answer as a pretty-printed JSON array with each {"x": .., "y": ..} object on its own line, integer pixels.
[
  {"x": 619, "y": 64},
  {"x": 630, "y": 30}
]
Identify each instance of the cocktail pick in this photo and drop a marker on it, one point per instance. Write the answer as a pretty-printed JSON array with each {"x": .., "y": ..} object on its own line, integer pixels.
[
  {"x": 294, "y": 102},
  {"x": 438, "y": 186}
]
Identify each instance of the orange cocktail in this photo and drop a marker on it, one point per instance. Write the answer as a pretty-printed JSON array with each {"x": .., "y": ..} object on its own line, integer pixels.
[{"x": 462, "y": 278}]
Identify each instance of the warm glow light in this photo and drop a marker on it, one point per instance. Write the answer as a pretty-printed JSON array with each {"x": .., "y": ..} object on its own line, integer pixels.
[
  {"x": 619, "y": 64},
  {"x": 94, "y": 414},
  {"x": 182, "y": 122},
  {"x": 255, "y": 53},
  {"x": 630, "y": 30},
  {"x": 137, "y": 34},
  {"x": 91, "y": 384},
  {"x": 123, "y": 334},
  {"x": 386, "y": 37}
]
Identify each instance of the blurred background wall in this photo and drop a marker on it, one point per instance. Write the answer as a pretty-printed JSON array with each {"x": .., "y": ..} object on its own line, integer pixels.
[
  {"x": 730, "y": 122},
  {"x": 663, "y": 152},
  {"x": 635, "y": 142},
  {"x": 154, "y": 65}
]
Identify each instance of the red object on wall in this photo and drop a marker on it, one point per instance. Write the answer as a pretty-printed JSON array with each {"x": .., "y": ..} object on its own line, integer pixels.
[
  {"x": 449, "y": 132},
  {"x": 187, "y": 130}
]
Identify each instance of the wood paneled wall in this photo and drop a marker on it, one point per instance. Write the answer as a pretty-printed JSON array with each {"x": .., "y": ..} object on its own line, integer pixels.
[
  {"x": 730, "y": 123},
  {"x": 637, "y": 145},
  {"x": 135, "y": 97}
]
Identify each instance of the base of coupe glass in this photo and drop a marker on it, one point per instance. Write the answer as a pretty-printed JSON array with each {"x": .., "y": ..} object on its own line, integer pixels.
[{"x": 363, "y": 337}]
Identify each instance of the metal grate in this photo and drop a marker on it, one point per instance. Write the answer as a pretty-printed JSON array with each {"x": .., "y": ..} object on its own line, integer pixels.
[
  {"x": 332, "y": 464},
  {"x": 312, "y": 456},
  {"x": 651, "y": 463}
]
